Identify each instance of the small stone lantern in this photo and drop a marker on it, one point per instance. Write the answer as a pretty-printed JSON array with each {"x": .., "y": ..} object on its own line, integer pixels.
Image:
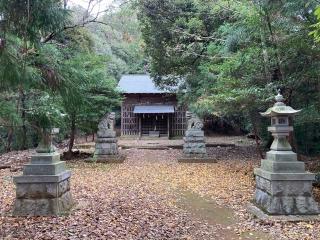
[
  {"x": 44, "y": 187},
  {"x": 283, "y": 187},
  {"x": 280, "y": 128}
]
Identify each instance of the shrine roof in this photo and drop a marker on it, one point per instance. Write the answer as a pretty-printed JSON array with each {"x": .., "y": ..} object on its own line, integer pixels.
[{"x": 138, "y": 83}]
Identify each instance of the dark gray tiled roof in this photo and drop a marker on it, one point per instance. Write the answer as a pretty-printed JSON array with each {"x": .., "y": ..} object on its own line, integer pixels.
[{"x": 138, "y": 83}]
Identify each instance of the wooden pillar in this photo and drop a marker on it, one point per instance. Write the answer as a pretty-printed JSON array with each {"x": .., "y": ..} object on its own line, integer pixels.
[
  {"x": 140, "y": 129},
  {"x": 168, "y": 119},
  {"x": 121, "y": 124}
]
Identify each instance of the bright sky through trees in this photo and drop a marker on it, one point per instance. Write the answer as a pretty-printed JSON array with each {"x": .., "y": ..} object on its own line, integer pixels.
[{"x": 96, "y": 6}]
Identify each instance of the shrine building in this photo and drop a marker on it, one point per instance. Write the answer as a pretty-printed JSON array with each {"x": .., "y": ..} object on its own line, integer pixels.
[{"x": 148, "y": 111}]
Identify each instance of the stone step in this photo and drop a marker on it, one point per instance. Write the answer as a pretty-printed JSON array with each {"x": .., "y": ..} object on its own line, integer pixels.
[
  {"x": 283, "y": 167},
  {"x": 45, "y": 158},
  {"x": 44, "y": 169}
]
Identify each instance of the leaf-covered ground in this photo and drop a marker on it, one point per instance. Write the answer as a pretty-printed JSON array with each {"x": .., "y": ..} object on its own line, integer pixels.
[{"x": 152, "y": 196}]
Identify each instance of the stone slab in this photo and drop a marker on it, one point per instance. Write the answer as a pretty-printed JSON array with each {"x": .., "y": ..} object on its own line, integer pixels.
[
  {"x": 283, "y": 167},
  {"x": 42, "y": 190},
  {"x": 284, "y": 188},
  {"x": 286, "y": 156},
  {"x": 285, "y": 197},
  {"x": 194, "y": 151},
  {"x": 43, "y": 195},
  {"x": 45, "y": 158},
  {"x": 194, "y": 139},
  {"x": 257, "y": 212},
  {"x": 42, "y": 178},
  {"x": 44, "y": 207},
  {"x": 194, "y": 145},
  {"x": 194, "y": 133},
  {"x": 106, "y": 140},
  {"x": 44, "y": 169},
  {"x": 280, "y": 129},
  {"x": 307, "y": 176},
  {"x": 106, "y": 133},
  {"x": 106, "y": 145}
]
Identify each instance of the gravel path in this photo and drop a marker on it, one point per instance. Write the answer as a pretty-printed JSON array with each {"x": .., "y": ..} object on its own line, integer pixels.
[{"x": 145, "y": 198}]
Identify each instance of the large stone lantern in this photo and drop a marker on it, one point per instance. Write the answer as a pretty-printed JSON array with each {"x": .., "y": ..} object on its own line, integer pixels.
[
  {"x": 44, "y": 187},
  {"x": 283, "y": 187}
]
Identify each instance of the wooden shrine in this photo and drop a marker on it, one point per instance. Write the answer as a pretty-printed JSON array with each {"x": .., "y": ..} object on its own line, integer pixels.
[{"x": 147, "y": 111}]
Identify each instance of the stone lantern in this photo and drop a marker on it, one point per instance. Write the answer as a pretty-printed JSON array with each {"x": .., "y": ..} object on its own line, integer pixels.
[
  {"x": 283, "y": 187},
  {"x": 280, "y": 128},
  {"x": 44, "y": 187}
]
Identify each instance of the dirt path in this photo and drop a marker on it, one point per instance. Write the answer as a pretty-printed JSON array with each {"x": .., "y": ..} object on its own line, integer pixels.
[{"x": 151, "y": 196}]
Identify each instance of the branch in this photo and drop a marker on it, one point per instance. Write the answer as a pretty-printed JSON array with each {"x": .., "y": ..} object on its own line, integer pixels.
[{"x": 85, "y": 21}]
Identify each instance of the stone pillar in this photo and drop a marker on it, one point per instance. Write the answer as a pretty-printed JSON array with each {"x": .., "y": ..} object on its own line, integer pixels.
[
  {"x": 106, "y": 148},
  {"x": 44, "y": 187},
  {"x": 194, "y": 147},
  {"x": 283, "y": 187},
  {"x": 194, "y": 144}
]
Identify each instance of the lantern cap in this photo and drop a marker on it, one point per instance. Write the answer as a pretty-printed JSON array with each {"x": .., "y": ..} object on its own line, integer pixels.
[{"x": 279, "y": 108}]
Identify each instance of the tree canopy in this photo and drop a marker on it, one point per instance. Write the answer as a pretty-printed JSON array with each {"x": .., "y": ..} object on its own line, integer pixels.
[
  {"x": 59, "y": 64},
  {"x": 232, "y": 56}
]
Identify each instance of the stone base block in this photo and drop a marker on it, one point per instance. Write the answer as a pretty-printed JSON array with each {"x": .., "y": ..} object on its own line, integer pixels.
[
  {"x": 106, "y": 140},
  {"x": 194, "y": 133},
  {"x": 106, "y": 148},
  {"x": 44, "y": 207},
  {"x": 45, "y": 158},
  {"x": 194, "y": 139},
  {"x": 257, "y": 212},
  {"x": 44, "y": 169},
  {"x": 118, "y": 158},
  {"x": 285, "y": 156},
  {"x": 281, "y": 166},
  {"x": 194, "y": 144},
  {"x": 200, "y": 150},
  {"x": 43, "y": 195},
  {"x": 106, "y": 133},
  {"x": 285, "y": 197}
]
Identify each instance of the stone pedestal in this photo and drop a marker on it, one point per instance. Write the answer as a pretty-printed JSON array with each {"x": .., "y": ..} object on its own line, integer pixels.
[
  {"x": 194, "y": 144},
  {"x": 106, "y": 149},
  {"x": 194, "y": 148},
  {"x": 283, "y": 187},
  {"x": 44, "y": 187}
]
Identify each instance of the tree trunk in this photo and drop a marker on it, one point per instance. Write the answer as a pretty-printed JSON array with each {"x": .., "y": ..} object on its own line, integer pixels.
[
  {"x": 9, "y": 139},
  {"x": 72, "y": 133},
  {"x": 256, "y": 135},
  {"x": 65, "y": 3},
  {"x": 278, "y": 72},
  {"x": 23, "y": 117}
]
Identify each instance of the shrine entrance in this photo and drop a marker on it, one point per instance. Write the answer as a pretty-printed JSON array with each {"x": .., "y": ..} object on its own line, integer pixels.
[
  {"x": 154, "y": 120},
  {"x": 154, "y": 125}
]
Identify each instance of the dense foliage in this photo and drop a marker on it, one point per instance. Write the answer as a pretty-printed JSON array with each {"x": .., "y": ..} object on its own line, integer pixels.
[
  {"x": 229, "y": 57},
  {"x": 59, "y": 64},
  {"x": 53, "y": 72}
]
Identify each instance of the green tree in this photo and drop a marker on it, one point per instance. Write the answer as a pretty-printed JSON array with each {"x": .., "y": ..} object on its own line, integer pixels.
[
  {"x": 23, "y": 25},
  {"x": 87, "y": 91},
  {"x": 229, "y": 57}
]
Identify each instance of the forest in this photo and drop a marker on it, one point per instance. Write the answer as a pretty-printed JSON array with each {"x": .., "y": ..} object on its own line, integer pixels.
[
  {"x": 60, "y": 62},
  {"x": 185, "y": 150}
]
